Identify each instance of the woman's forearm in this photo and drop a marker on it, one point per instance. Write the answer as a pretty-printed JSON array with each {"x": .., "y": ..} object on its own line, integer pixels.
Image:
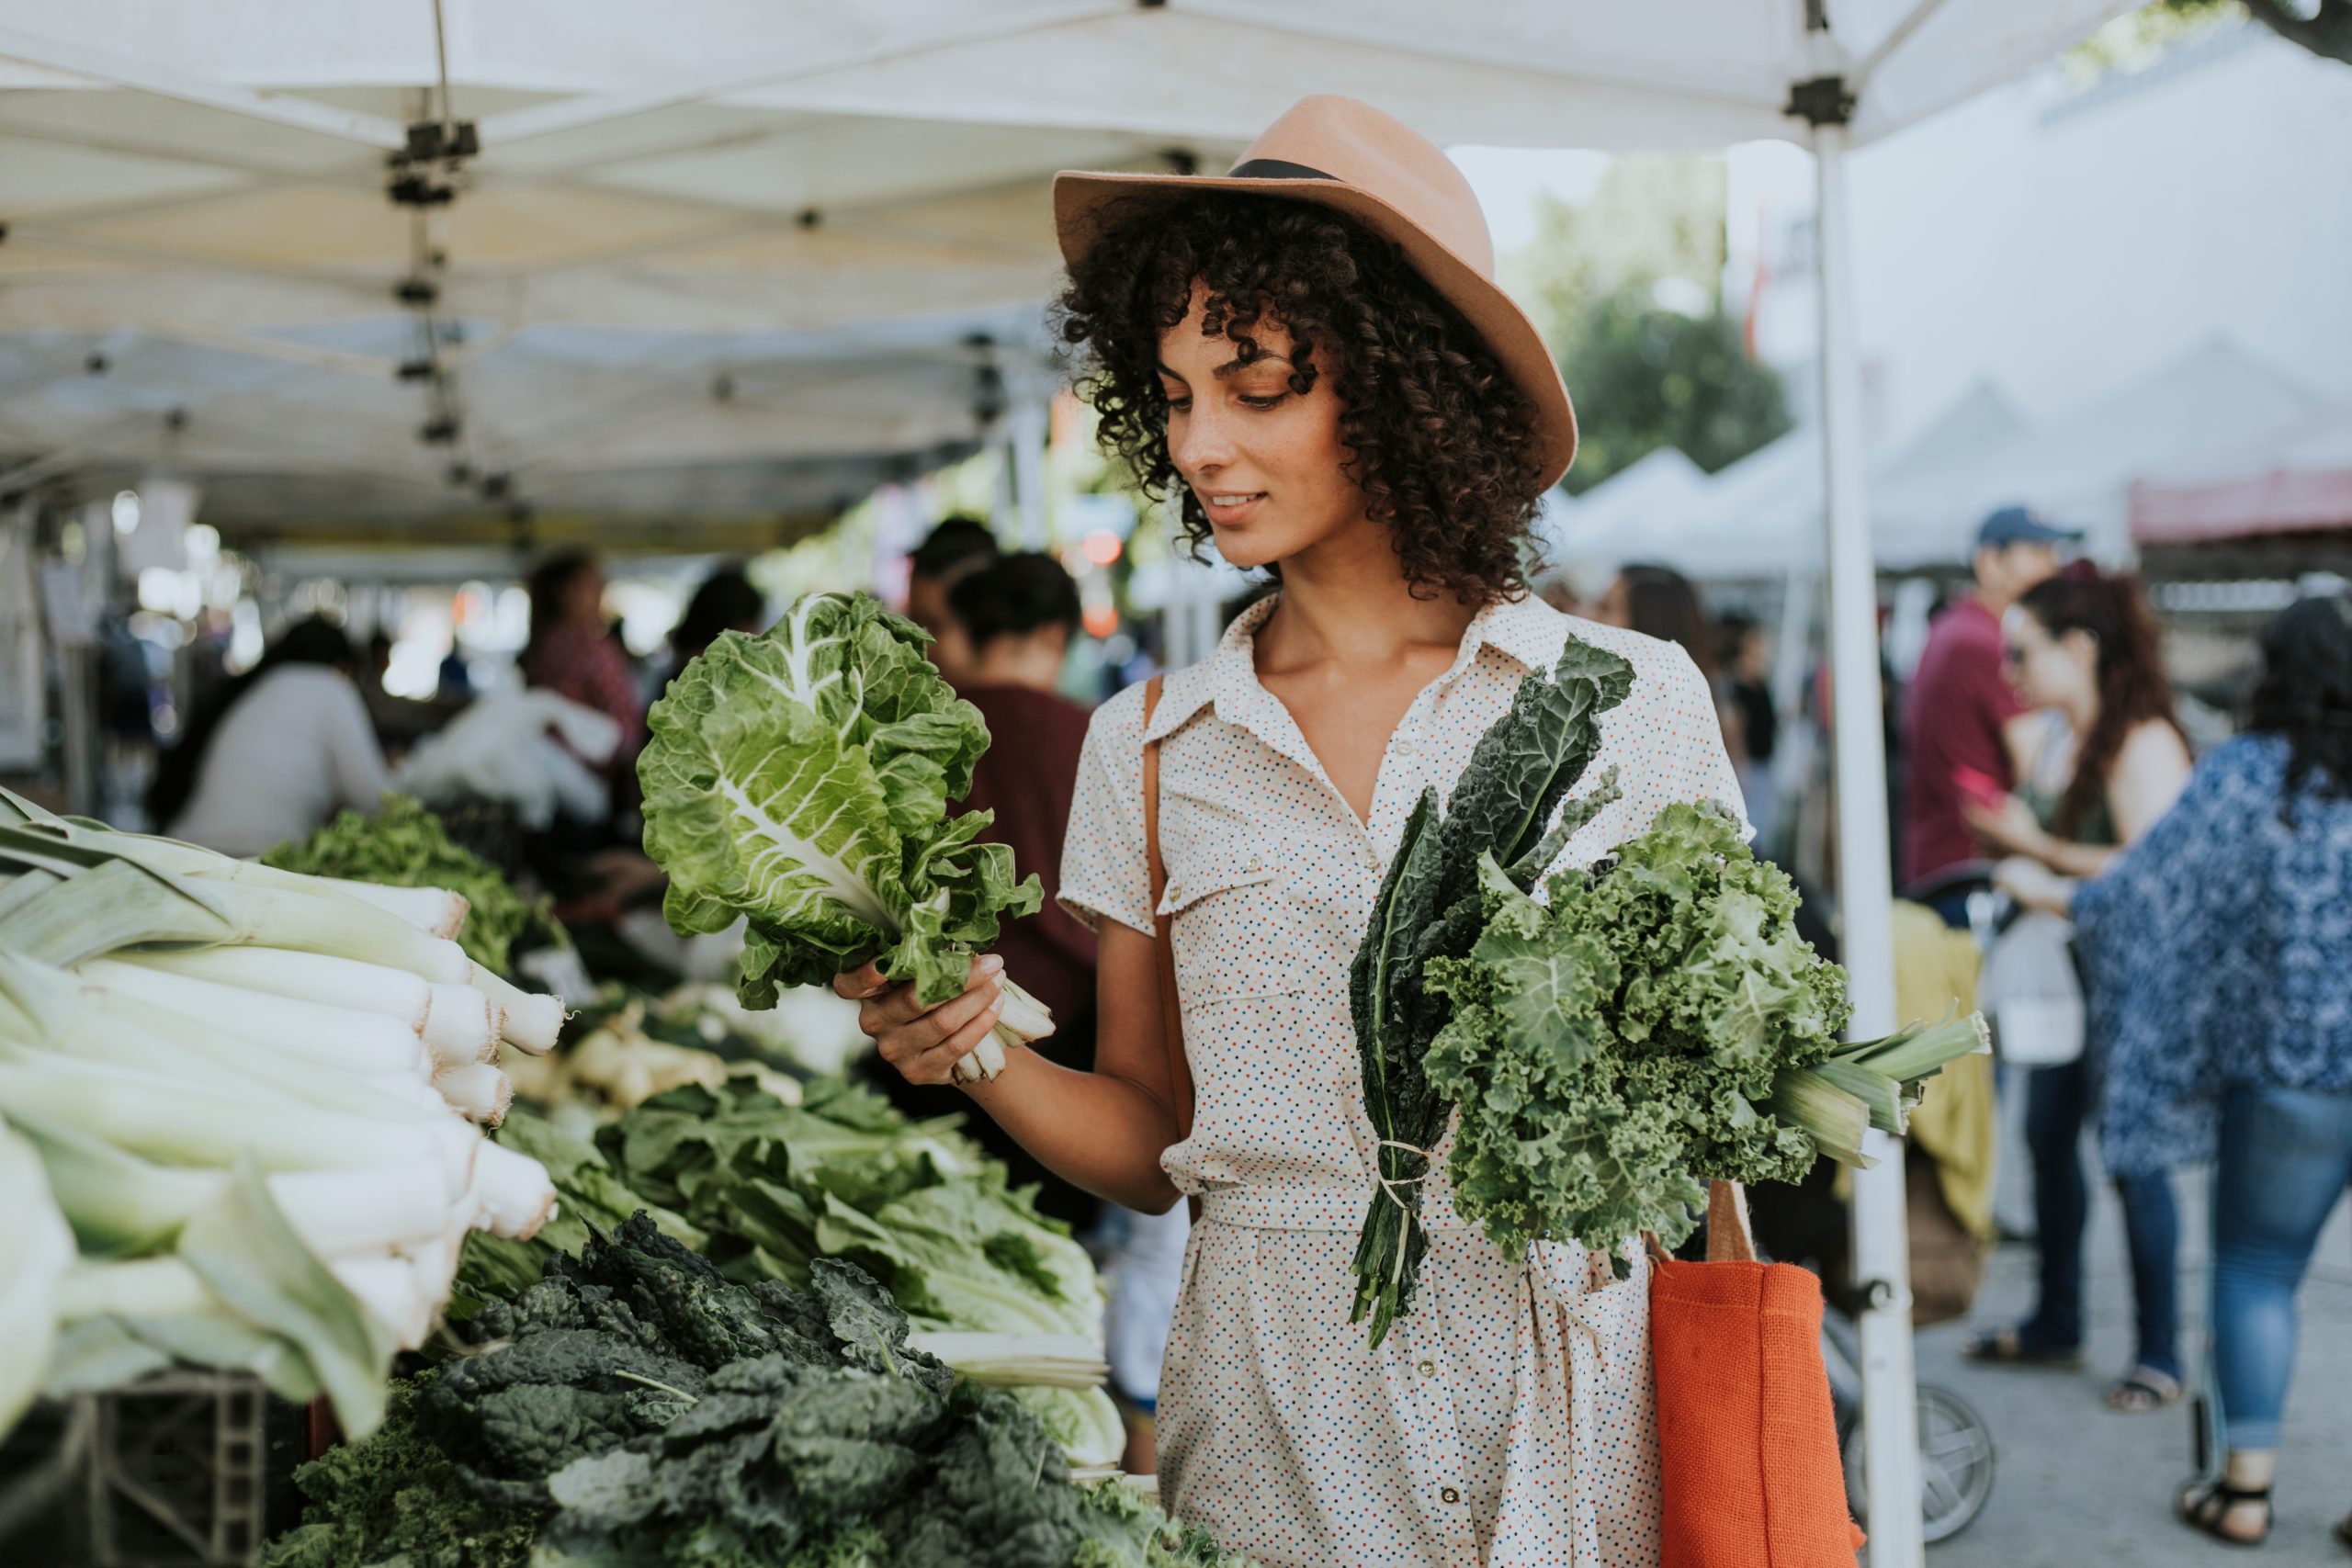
[
  {"x": 2080, "y": 861},
  {"x": 1095, "y": 1131}
]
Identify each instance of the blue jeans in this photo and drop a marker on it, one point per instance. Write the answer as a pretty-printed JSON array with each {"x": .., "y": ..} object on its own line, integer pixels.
[
  {"x": 2286, "y": 1157},
  {"x": 2057, "y": 1103}
]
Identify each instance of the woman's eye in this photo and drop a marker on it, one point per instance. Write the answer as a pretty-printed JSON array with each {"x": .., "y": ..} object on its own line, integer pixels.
[
  {"x": 1268, "y": 400},
  {"x": 1180, "y": 405}
]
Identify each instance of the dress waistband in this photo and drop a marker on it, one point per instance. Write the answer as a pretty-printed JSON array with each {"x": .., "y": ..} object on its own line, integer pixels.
[{"x": 1302, "y": 1209}]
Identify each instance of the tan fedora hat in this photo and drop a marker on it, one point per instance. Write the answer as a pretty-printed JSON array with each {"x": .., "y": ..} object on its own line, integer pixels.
[{"x": 1379, "y": 171}]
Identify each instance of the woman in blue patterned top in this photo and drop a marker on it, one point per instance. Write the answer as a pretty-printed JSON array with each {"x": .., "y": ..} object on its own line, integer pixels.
[{"x": 2219, "y": 948}]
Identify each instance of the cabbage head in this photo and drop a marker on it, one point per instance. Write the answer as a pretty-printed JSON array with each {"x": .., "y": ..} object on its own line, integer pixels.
[{"x": 800, "y": 780}]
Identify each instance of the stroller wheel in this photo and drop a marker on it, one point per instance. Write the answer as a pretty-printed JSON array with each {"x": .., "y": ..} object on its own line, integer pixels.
[{"x": 1956, "y": 1464}]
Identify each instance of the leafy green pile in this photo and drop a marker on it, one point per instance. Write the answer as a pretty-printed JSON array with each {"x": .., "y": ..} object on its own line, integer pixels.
[
  {"x": 1660, "y": 1023},
  {"x": 845, "y": 1174},
  {"x": 1428, "y": 910},
  {"x": 404, "y": 845},
  {"x": 800, "y": 780},
  {"x": 396, "y": 1499},
  {"x": 587, "y": 1195},
  {"x": 634, "y": 1409}
]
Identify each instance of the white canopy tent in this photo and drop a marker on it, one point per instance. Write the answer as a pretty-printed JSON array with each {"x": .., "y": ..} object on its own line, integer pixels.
[
  {"x": 196, "y": 174},
  {"x": 2294, "y": 482}
]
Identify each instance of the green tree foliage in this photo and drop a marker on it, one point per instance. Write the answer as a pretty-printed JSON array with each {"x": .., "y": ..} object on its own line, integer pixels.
[
  {"x": 1645, "y": 377},
  {"x": 1626, "y": 285}
]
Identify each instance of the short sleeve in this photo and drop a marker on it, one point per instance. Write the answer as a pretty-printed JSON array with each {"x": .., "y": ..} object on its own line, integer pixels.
[
  {"x": 1104, "y": 873},
  {"x": 1702, "y": 768}
]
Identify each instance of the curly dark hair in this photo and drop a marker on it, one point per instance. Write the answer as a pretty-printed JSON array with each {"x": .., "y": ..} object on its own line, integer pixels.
[
  {"x": 1441, "y": 441},
  {"x": 2306, "y": 694},
  {"x": 2131, "y": 672}
]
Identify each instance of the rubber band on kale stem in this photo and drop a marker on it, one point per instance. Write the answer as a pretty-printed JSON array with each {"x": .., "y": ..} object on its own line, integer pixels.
[{"x": 1388, "y": 1185}]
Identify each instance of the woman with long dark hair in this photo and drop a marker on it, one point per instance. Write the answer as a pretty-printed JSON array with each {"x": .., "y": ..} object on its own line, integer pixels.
[
  {"x": 2227, "y": 931},
  {"x": 2084, "y": 647},
  {"x": 275, "y": 753},
  {"x": 1310, "y": 358}
]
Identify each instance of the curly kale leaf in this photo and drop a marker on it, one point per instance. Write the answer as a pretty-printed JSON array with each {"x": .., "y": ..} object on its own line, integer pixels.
[{"x": 396, "y": 1498}]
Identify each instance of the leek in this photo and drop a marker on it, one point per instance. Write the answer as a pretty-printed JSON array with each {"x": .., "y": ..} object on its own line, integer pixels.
[
  {"x": 532, "y": 1020},
  {"x": 40, "y": 1249},
  {"x": 365, "y": 1042},
  {"x": 307, "y": 976}
]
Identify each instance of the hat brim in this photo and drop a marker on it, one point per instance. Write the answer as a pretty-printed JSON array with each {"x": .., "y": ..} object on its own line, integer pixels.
[{"x": 1084, "y": 207}]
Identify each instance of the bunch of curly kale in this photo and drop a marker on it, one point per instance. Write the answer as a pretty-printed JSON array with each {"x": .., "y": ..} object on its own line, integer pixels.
[{"x": 634, "y": 1409}]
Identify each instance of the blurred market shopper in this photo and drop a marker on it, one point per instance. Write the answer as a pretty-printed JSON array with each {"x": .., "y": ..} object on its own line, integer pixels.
[
  {"x": 1958, "y": 743},
  {"x": 1019, "y": 612},
  {"x": 2083, "y": 651},
  {"x": 1309, "y": 356},
  {"x": 727, "y": 601},
  {"x": 956, "y": 548},
  {"x": 276, "y": 751},
  {"x": 571, "y": 651},
  {"x": 1752, "y": 721},
  {"x": 2226, "y": 930}
]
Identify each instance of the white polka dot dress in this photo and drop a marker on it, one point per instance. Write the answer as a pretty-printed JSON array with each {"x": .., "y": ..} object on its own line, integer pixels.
[{"x": 1507, "y": 1420}]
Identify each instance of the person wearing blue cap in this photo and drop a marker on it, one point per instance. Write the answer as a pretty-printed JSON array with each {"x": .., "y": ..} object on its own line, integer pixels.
[{"x": 1961, "y": 739}]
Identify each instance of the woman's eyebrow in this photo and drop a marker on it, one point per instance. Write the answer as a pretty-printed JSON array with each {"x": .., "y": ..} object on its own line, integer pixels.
[{"x": 1230, "y": 366}]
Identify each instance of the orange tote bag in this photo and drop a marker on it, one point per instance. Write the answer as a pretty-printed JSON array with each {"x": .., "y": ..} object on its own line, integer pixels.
[{"x": 1746, "y": 1440}]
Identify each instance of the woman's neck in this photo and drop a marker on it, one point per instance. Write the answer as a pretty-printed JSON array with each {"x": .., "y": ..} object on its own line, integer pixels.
[
  {"x": 1014, "y": 661},
  {"x": 1347, "y": 603}
]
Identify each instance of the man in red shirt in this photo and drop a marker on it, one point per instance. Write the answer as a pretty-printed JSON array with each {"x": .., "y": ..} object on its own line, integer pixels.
[{"x": 1959, "y": 738}]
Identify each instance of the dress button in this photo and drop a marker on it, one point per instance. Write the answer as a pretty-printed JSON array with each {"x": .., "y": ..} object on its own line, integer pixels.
[
  {"x": 1427, "y": 1369},
  {"x": 1451, "y": 1496}
]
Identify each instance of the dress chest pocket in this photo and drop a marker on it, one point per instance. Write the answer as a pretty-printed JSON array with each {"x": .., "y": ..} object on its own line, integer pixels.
[{"x": 1234, "y": 922}]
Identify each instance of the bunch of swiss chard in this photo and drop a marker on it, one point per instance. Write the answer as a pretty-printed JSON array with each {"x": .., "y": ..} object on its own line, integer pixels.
[
  {"x": 1501, "y": 814},
  {"x": 799, "y": 781}
]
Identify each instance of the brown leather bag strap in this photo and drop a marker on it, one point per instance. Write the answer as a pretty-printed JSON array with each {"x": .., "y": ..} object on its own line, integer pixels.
[{"x": 1171, "y": 1010}]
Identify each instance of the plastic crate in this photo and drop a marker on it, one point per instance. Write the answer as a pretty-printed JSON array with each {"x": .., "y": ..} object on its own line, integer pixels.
[{"x": 176, "y": 1475}]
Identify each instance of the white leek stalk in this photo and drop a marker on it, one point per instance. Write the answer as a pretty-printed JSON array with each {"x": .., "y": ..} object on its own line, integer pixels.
[
  {"x": 532, "y": 1022},
  {"x": 514, "y": 1192},
  {"x": 479, "y": 1092},
  {"x": 309, "y": 976},
  {"x": 1017, "y": 1360},
  {"x": 460, "y": 1026},
  {"x": 367, "y": 1042},
  {"x": 39, "y": 1250}
]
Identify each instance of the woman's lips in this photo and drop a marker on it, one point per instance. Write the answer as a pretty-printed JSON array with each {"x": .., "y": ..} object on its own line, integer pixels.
[{"x": 1227, "y": 508}]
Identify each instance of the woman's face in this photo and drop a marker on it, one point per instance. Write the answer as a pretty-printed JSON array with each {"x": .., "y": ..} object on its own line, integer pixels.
[
  {"x": 584, "y": 597},
  {"x": 2050, "y": 671},
  {"x": 1263, "y": 460}
]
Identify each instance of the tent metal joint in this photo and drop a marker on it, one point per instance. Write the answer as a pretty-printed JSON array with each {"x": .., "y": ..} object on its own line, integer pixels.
[{"x": 1824, "y": 100}]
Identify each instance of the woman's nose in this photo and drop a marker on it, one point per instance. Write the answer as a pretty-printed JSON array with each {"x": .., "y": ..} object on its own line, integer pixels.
[{"x": 1200, "y": 442}]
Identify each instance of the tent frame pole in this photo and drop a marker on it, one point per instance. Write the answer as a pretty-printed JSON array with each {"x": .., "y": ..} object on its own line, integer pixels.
[{"x": 1865, "y": 887}]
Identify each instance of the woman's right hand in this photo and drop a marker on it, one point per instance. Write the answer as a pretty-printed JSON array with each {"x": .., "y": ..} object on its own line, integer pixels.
[{"x": 924, "y": 1044}]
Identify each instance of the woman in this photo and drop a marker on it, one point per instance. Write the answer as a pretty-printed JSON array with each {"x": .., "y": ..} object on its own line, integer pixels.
[
  {"x": 278, "y": 751},
  {"x": 2083, "y": 647},
  {"x": 572, "y": 652},
  {"x": 2228, "y": 926},
  {"x": 1310, "y": 355}
]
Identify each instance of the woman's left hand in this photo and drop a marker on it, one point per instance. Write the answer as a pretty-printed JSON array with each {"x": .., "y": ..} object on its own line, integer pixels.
[{"x": 2009, "y": 827}]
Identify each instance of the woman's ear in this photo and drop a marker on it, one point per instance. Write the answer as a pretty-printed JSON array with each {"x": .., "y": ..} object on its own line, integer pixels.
[{"x": 2082, "y": 643}]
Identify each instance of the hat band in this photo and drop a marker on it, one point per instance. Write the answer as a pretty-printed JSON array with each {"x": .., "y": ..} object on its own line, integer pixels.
[{"x": 1275, "y": 169}]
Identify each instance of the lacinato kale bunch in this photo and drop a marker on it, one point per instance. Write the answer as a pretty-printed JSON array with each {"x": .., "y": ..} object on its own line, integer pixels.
[
  {"x": 636, "y": 1408},
  {"x": 1660, "y": 1023},
  {"x": 1501, "y": 812}
]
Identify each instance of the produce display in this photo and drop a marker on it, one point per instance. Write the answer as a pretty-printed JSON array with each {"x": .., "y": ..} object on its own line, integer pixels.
[
  {"x": 635, "y": 1408},
  {"x": 243, "y": 1112},
  {"x": 624, "y": 1047},
  {"x": 404, "y": 845},
  {"x": 799, "y": 781},
  {"x": 775, "y": 1188},
  {"x": 1648, "y": 1024}
]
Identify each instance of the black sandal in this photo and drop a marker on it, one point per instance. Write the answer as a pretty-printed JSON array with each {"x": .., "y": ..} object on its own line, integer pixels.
[
  {"x": 2010, "y": 1348},
  {"x": 2204, "y": 1504}
]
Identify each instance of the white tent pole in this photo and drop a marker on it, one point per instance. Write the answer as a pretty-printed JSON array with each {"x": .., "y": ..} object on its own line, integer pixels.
[{"x": 1865, "y": 902}]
